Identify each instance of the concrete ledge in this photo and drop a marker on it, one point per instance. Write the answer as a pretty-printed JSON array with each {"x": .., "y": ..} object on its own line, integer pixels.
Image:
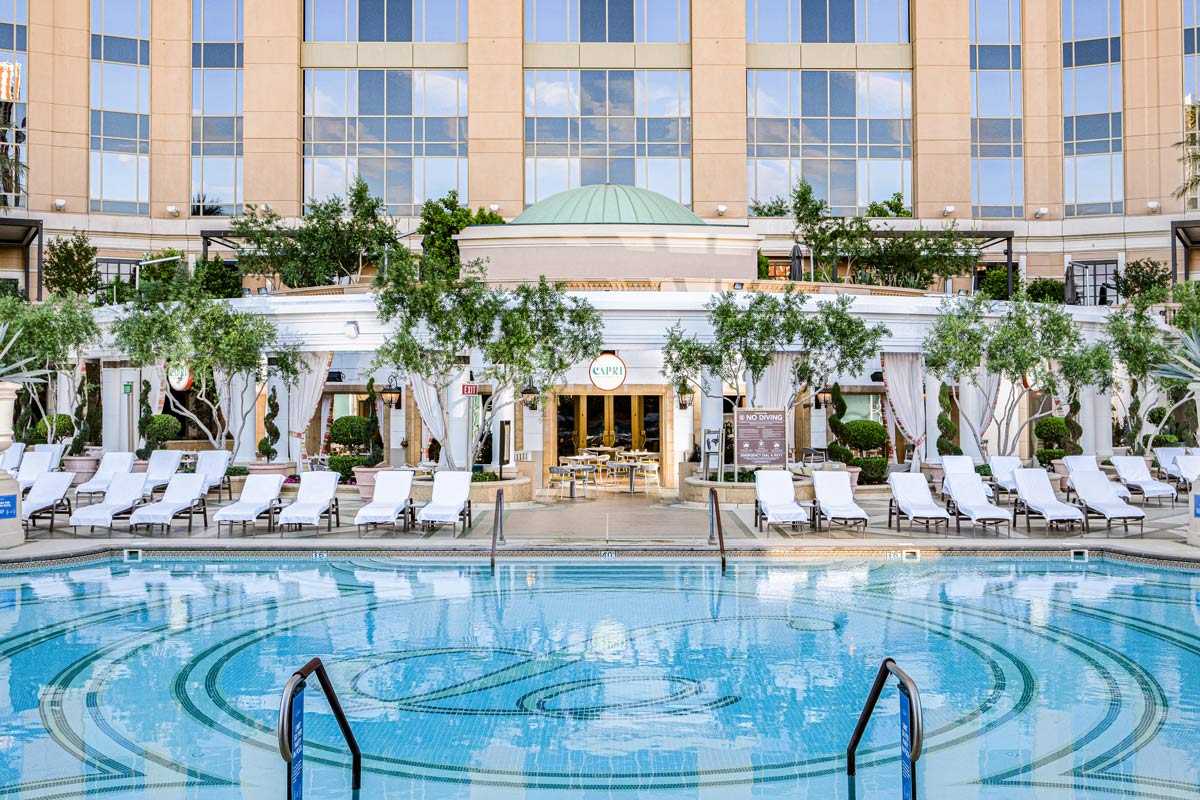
[
  {"x": 695, "y": 490},
  {"x": 516, "y": 490}
]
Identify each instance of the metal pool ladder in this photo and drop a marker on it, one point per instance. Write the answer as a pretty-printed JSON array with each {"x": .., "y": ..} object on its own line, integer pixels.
[
  {"x": 291, "y": 746},
  {"x": 912, "y": 727}
]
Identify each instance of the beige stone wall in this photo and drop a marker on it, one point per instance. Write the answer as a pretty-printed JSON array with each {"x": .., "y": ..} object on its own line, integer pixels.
[
  {"x": 273, "y": 128},
  {"x": 941, "y": 107},
  {"x": 171, "y": 107},
  {"x": 1041, "y": 55},
  {"x": 496, "y": 110},
  {"x": 718, "y": 107}
]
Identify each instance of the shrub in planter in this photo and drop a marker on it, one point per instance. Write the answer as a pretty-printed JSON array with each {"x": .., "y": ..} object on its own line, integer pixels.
[
  {"x": 839, "y": 410},
  {"x": 484, "y": 477},
  {"x": 1052, "y": 431},
  {"x": 865, "y": 435},
  {"x": 1047, "y": 457},
  {"x": 161, "y": 428},
  {"x": 874, "y": 470},
  {"x": 984, "y": 470},
  {"x": 344, "y": 465},
  {"x": 1162, "y": 440},
  {"x": 351, "y": 431},
  {"x": 1157, "y": 415},
  {"x": 837, "y": 452},
  {"x": 947, "y": 430},
  {"x": 266, "y": 445},
  {"x": 1071, "y": 444},
  {"x": 63, "y": 430},
  {"x": 374, "y": 439},
  {"x": 237, "y": 472}
]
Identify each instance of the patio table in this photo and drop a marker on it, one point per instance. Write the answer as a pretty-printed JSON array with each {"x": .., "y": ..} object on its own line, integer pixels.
[{"x": 632, "y": 468}]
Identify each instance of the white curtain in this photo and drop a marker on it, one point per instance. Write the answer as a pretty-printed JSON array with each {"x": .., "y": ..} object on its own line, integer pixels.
[
  {"x": 904, "y": 380},
  {"x": 326, "y": 413},
  {"x": 889, "y": 421},
  {"x": 303, "y": 399},
  {"x": 989, "y": 389},
  {"x": 429, "y": 403}
]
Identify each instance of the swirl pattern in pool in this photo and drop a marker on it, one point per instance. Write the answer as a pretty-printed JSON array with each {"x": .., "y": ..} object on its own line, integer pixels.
[{"x": 556, "y": 680}]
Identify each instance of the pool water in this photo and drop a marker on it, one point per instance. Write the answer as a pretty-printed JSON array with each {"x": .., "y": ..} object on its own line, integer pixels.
[{"x": 1041, "y": 678}]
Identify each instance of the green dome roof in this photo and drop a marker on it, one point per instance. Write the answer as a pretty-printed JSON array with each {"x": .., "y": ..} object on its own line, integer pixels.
[{"x": 607, "y": 204}]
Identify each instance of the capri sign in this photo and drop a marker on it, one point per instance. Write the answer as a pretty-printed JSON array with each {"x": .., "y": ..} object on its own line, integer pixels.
[
  {"x": 760, "y": 438},
  {"x": 607, "y": 372}
]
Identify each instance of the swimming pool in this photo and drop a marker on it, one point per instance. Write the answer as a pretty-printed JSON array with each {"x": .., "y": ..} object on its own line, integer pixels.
[{"x": 552, "y": 680}]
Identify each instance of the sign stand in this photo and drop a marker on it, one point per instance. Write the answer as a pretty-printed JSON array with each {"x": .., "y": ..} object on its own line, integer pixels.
[
  {"x": 296, "y": 735},
  {"x": 908, "y": 773}
]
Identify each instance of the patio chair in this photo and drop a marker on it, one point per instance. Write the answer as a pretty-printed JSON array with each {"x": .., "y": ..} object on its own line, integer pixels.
[
  {"x": 392, "y": 500},
  {"x": 1036, "y": 497},
  {"x": 911, "y": 498},
  {"x": 10, "y": 459},
  {"x": 32, "y": 466},
  {"x": 648, "y": 469},
  {"x": 560, "y": 476},
  {"x": 184, "y": 497},
  {"x": 316, "y": 498},
  {"x": 451, "y": 501},
  {"x": 1189, "y": 471},
  {"x": 960, "y": 465},
  {"x": 47, "y": 498},
  {"x": 213, "y": 464},
  {"x": 1134, "y": 473},
  {"x": 161, "y": 468},
  {"x": 111, "y": 465},
  {"x": 968, "y": 501},
  {"x": 124, "y": 494},
  {"x": 1166, "y": 461},
  {"x": 775, "y": 500},
  {"x": 56, "y": 453},
  {"x": 1099, "y": 498},
  {"x": 835, "y": 500},
  {"x": 1003, "y": 468},
  {"x": 260, "y": 498},
  {"x": 1077, "y": 464}
]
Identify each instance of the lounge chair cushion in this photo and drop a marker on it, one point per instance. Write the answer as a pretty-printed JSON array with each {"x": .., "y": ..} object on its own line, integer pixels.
[
  {"x": 182, "y": 492},
  {"x": 258, "y": 493}
]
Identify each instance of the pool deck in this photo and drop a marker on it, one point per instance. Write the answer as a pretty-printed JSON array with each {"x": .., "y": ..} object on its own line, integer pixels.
[{"x": 615, "y": 524}]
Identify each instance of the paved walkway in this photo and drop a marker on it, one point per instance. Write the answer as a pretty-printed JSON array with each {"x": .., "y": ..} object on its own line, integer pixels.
[{"x": 618, "y": 522}]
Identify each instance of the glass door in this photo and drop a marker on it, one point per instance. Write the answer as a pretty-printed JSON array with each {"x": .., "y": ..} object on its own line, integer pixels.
[{"x": 621, "y": 424}]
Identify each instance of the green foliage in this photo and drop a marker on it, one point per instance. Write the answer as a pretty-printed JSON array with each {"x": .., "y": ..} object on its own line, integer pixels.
[
  {"x": 484, "y": 476},
  {"x": 865, "y": 435},
  {"x": 218, "y": 280},
  {"x": 441, "y": 221},
  {"x": 237, "y": 472},
  {"x": 80, "y": 422},
  {"x": 984, "y": 470},
  {"x": 839, "y": 452},
  {"x": 266, "y": 445},
  {"x": 1047, "y": 457},
  {"x": 874, "y": 470},
  {"x": 1052, "y": 431},
  {"x": 344, "y": 465},
  {"x": 1157, "y": 415},
  {"x": 59, "y": 423},
  {"x": 1144, "y": 282},
  {"x": 145, "y": 415},
  {"x": 162, "y": 429},
  {"x": 375, "y": 437},
  {"x": 70, "y": 265},
  {"x": 1165, "y": 440},
  {"x": 834, "y": 420},
  {"x": 995, "y": 282},
  {"x": 892, "y": 207},
  {"x": 351, "y": 431},
  {"x": 23, "y": 425},
  {"x": 1045, "y": 290},
  {"x": 1071, "y": 444},
  {"x": 947, "y": 430},
  {"x": 1187, "y": 316},
  {"x": 764, "y": 266},
  {"x": 777, "y": 206},
  {"x": 334, "y": 241}
]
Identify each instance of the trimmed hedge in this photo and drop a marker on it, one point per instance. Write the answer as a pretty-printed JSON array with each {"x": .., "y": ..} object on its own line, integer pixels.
[
  {"x": 865, "y": 435},
  {"x": 351, "y": 431},
  {"x": 874, "y": 470},
  {"x": 1052, "y": 431},
  {"x": 1045, "y": 457},
  {"x": 64, "y": 429},
  {"x": 344, "y": 465}
]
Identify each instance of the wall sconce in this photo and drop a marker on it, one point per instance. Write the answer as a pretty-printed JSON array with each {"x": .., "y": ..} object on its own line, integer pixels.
[
  {"x": 1153, "y": 207},
  {"x": 173, "y": 211},
  {"x": 494, "y": 208},
  {"x": 266, "y": 208},
  {"x": 1041, "y": 212},
  {"x": 947, "y": 211},
  {"x": 392, "y": 395},
  {"x": 721, "y": 210},
  {"x": 350, "y": 329},
  {"x": 530, "y": 397},
  {"x": 824, "y": 398},
  {"x": 60, "y": 204},
  {"x": 684, "y": 395}
]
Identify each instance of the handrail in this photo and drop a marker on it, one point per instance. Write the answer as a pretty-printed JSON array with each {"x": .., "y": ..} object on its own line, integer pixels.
[
  {"x": 714, "y": 521},
  {"x": 294, "y": 686},
  {"x": 916, "y": 723},
  {"x": 497, "y": 525}
]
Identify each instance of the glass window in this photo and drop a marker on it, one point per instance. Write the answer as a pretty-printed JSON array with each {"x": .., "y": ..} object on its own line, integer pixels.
[
  {"x": 385, "y": 20},
  {"x": 630, "y": 127},
  {"x": 822, "y": 21},
  {"x": 997, "y": 149},
  {"x": 1093, "y": 167},
  {"x": 14, "y": 77},
  {"x": 217, "y": 108},
  {"x": 403, "y": 131},
  {"x": 120, "y": 107},
  {"x": 607, "y": 20},
  {"x": 847, "y": 133}
]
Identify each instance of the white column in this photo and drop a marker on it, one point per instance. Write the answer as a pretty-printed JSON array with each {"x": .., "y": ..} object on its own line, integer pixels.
[
  {"x": 1102, "y": 414},
  {"x": 970, "y": 402},
  {"x": 932, "y": 409},
  {"x": 119, "y": 429},
  {"x": 1087, "y": 420},
  {"x": 712, "y": 402},
  {"x": 685, "y": 431},
  {"x": 505, "y": 414},
  {"x": 458, "y": 431},
  {"x": 398, "y": 425},
  {"x": 243, "y": 424}
]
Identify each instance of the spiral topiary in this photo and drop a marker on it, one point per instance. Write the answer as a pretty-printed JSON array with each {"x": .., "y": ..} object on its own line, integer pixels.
[
  {"x": 836, "y": 450},
  {"x": 374, "y": 455},
  {"x": 266, "y": 445},
  {"x": 947, "y": 430},
  {"x": 82, "y": 432},
  {"x": 1071, "y": 444}
]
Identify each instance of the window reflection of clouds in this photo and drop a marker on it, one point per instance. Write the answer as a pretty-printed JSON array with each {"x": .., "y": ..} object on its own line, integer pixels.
[
  {"x": 1093, "y": 164},
  {"x": 827, "y": 21},
  {"x": 119, "y": 168},
  {"x": 667, "y": 21}
]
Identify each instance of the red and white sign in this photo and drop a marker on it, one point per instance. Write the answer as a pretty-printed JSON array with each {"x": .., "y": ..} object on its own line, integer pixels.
[
  {"x": 179, "y": 378},
  {"x": 470, "y": 389}
]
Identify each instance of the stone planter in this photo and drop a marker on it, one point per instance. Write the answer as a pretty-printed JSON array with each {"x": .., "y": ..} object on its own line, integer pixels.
[
  {"x": 84, "y": 467},
  {"x": 695, "y": 490},
  {"x": 516, "y": 490},
  {"x": 936, "y": 474},
  {"x": 1060, "y": 468},
  {"x": 140, "y": 465},
  {"x": 853, "y": 471},
  {"x": 236, "y": 484},
  {"x": 284, "y": 468},
  {"x": 365, "y": 478}
]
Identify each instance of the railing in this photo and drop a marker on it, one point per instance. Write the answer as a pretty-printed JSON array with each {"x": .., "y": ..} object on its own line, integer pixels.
[
  {"x": 286, "y": 733},
  {"x": 715, "y": 525},
  {"x": 913, "y": 737},
  {"x": 497, "y": 525}
]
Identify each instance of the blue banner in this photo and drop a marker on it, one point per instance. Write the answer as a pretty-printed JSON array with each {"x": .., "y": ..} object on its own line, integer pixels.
[
  {"x": 1195, "y": 506},
  {"x": 297, "y": 776},
  {"x": 8, "y": 506},
  {"x": 907, "y": 778}
]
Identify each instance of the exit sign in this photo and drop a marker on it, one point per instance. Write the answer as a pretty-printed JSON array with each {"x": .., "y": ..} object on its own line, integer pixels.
[{"x": 470, "y": 389}]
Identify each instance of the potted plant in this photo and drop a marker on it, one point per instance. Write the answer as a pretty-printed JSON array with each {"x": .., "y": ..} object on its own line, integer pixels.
[
  {"x": 267, "y": 444},
  {"x": 866, "y": 436},
  {"x": 364, "y": 474},
  {"x": 159, "y": 429},
  {"x": 84, "y": 466},
  {"x": 1053, "y": 433}
]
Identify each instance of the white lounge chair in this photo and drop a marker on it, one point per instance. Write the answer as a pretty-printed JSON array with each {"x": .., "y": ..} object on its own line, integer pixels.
[
  {"x": 1134, "y": 473},
  {"x": 316, "y": 498},
  {"x": 1036, "y": 497},
  {"x": 162, "y": 466},
  {"x": 451, "y": 501},
  {"x": 10, "y": 459},
  {"x": 260, "y": 498},
  {"x": 1003, "y": 468},
  {"x": 123, "y": 496},
  {"x": 32, "y": 466},
  {"x": 1189, "y": 471},
  {"x": 835, "y": 500},
  {"x": 911, "y": 498},
  {"x": 1076, "y": 464},
  {"x": 56, "y": 453},
  {"x": 1166, "y": 460},
  {"x": 775, "y": 499},
  {"x": 960, "y": 465},
  {"x": 213, "y": 464},
  {"x": 184, "y": 497},
  {"x": 1099, "y": 498},
  {"x": 393, "y": 499},
  {"x": 111, "y": 465},
  {"x": 47, "y": 498},
  {"x": 968, "y": 501}
]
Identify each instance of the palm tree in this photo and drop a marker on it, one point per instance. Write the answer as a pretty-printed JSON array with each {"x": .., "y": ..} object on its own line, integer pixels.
[{"x": 16, "y": 372}]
